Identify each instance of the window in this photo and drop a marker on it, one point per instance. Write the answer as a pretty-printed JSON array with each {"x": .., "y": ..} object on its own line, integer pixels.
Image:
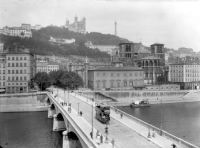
[
  {"x": 111, "y": 83},
  {"x": 21, "y": 65},
  {"x": 13, "y": 58},
  {"x": 8, "y": 64},
  {"x": 8, "y": 58},
  {"x": 13, "y": 78},
  {"x": 13, "y": 65},
  {"x": 16, "y": 78},
  {"x": 25, "y": 78},
  {"x": 24, "y": 58},
  {"x": 3, "y": 71},
  {"x": 16, "y": 64},
  {"x": 104, "y": 83},
  {"x": 21, "y": 71},
  {"x": 16, "y": 71},
  {"x": 8, "y": 78},
  {"x": 24, "y": 70},
  {"x": 125, "y": 83},
  {"x": 130, "y": 83},
  {"x": 8, "y": 71},
  {"x": 17, "y": 58},
  {"x": 20, "y": 78},
  {"x": 24, "y": 64},
  {"x": 20, "y": 58}
]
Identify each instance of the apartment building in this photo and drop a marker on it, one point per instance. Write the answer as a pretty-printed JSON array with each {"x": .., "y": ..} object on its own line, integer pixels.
[
  {"x": 19, "y": 71},
  {"x": 188, "y": 75}
]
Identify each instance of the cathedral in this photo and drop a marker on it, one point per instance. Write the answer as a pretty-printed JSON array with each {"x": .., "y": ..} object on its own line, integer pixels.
[{"x": 77, "y": 26}]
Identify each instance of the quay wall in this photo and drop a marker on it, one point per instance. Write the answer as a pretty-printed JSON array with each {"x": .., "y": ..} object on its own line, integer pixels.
[
  {"x": 23, "y": 102},
  {"x": 154, "y": 97}
]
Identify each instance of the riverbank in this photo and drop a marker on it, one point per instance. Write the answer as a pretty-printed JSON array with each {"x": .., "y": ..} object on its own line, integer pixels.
[
  {"x": 23, "y": 102},
  {"x": 125, "y": 98}
]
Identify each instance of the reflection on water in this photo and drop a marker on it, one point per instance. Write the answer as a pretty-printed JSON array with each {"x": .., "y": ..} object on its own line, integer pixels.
[
  {"x": 180, "y": 119},
  {"x": 28, "y": 130}
]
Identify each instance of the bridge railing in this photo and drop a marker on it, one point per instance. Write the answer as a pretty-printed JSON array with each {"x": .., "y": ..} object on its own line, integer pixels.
[
  {"x": 74, "y": 123},
  {"x": 158, "y": 130}
]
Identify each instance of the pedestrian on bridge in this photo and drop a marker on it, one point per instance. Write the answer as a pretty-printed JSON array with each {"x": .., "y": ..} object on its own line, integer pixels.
[
  {"x": 174, "y": 146},
  {"x": 121, "y": 115}
]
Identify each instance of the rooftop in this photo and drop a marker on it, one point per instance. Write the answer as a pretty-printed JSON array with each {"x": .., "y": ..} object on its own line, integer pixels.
[{"x": 117, "y": 69}]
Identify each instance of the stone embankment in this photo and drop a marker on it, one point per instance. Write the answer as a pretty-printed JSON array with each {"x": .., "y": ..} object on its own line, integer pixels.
[
  {"x": 124, "y": 98},
  {"x": 23, "y": 102}
]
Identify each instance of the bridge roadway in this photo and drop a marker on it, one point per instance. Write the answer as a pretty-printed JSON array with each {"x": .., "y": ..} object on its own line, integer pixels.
[{"x": 123, "y": 136}]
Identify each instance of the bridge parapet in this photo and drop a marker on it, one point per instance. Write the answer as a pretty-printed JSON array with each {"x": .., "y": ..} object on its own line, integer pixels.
[{"x": 80, "y": 126}]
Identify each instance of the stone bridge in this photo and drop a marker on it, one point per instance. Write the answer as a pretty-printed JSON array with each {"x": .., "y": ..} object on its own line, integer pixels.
[{"x": 76, "y": 130}]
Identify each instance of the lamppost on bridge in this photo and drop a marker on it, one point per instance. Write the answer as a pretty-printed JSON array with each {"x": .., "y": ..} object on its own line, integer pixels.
[
  {"x": 161, "y": 118},
  {"x": 92, "y": 118},
  {"x": 78, "y": 107}
]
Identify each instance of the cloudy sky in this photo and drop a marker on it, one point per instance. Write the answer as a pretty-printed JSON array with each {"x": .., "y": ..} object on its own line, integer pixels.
[{"x": 176, "y": 23}]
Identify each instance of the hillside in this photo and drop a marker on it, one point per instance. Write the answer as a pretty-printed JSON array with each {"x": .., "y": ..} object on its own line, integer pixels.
[{"x": 39, "y": 43}]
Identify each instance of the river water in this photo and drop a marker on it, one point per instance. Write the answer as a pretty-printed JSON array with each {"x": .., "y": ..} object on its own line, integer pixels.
[
  {"x": 34, "y": 129},
  {"x": 28, "y": 130},
  {"x": 179, "y": 119}
]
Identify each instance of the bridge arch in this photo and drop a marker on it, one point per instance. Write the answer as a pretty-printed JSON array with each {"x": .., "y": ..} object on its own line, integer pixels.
[
  {"x": 52, "y": 106},
  {"x": 74, "y": 141},
  {"x": 48, "y": 101}
]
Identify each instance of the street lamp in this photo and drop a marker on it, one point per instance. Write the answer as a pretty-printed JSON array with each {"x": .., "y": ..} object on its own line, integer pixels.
[
  {"x": 161, "y": 119},
  {"x": 92, "y": 118},
  {"x": 78, "y": 107}
]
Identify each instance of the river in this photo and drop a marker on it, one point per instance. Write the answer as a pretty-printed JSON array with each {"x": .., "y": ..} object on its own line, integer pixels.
[
  {"x": 28, "y": 130},
  {"x": 179, "y": 119},
  {"x": 34, "y": 129}
]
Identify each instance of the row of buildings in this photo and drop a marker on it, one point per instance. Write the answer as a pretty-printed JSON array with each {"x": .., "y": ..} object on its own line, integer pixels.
[
  {"x": 17, "y": 67},
  {"x": 23, "y": 31},
  {"x": 135, "y": 66}
]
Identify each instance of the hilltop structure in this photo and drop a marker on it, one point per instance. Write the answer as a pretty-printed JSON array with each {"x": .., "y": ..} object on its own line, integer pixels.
[
  {"x": 24, "y": 31},
  {"x": 76, "y": 26}
]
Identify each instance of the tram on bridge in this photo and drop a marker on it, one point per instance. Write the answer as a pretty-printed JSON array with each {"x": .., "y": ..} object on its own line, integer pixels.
[{"x": 103, "y": 113}]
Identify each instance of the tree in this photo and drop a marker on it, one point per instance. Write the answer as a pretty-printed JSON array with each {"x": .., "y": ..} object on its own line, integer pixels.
[
  {"x": 55, "y": 76},
  {"x": 71, "y": 80},
  {"x": 42, "y": 79}
]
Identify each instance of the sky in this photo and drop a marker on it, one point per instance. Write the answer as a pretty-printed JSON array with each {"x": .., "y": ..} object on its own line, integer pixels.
[{"x": 175, "y": 23}]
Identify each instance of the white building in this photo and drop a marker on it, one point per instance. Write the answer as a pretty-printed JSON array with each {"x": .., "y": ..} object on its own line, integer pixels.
[
  {"x": 104, "y": 48},
  {"x": 186, "y": 74},
  {"x": 23, "y": 31},
  {"x": 45, "y": 66},
  {"x": 61, "y": 40}
]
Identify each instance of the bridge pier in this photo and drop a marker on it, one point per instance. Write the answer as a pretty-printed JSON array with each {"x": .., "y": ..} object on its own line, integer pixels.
[
  {"x": 58, "y": 122},
  {"x": 65, "y": 139},
  {"x": 51, "y": 112}
]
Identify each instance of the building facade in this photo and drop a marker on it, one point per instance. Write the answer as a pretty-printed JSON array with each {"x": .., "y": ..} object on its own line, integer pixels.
[
  {"x": 187, "y": 75},
  {"x": 2, "y": 73},
  {"x": 115, "y": 78},
  {"x": 46, "y": 66},
  {"x": 77, "y": 26},
  {"x": 24, "y": 31},
  {"x": 19, "y": 71},
  {"x": 151, "y": 59}
]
